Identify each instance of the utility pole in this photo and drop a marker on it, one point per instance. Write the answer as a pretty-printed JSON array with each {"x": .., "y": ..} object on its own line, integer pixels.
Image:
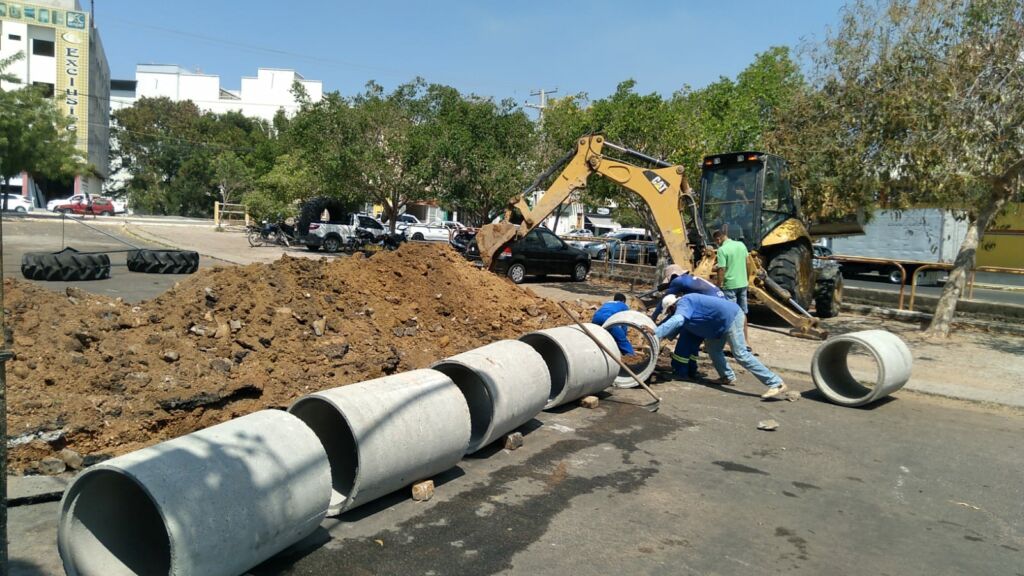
[{"x": 543, "y": 103}]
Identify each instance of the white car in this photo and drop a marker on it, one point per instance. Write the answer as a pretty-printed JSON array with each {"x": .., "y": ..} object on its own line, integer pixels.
[
  {"x": 433, "y": 232},
  {"x": 76, "y": 199},
  {"x": 17, "y": 203}
]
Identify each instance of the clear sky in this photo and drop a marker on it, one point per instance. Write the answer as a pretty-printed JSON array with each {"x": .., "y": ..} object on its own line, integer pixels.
[{"x": 499, "y": 49}]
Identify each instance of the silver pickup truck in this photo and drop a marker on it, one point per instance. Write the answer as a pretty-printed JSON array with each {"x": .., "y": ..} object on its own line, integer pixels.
[{"x": 333, "y": 236}]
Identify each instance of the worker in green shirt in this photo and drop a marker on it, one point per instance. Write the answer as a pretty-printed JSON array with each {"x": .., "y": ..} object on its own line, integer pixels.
[{"x": 732, "y": 272}]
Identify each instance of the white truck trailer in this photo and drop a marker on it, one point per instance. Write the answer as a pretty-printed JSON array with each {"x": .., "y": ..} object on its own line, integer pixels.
[{"x": 912, "y": 238}]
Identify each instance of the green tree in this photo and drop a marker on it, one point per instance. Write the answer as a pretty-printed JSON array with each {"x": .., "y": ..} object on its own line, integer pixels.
[
  {"x": 34, "y": 135},
  {"x": 917, "y": 103}
]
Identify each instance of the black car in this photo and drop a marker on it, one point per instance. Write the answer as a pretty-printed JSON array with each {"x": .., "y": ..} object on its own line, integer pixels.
[{"x": 539, "y": 253}]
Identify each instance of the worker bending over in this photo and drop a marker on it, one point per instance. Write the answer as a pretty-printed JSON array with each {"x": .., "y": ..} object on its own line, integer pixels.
[
  {"x": 718, "y": 321},
  {"x": 679, "y": 282},
  {"x": 617, "y": 304}
]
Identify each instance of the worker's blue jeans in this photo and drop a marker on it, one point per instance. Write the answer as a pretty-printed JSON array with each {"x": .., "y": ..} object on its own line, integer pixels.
[{"x": 715, "y": 347}]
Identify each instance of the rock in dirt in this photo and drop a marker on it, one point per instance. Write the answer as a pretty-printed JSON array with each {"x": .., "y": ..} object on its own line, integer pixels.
[
  {"x": 73, "y": 459},
  {"x": 767, "y": 425},
  {"x": 320, "y": 326},
  {"x": 171, "y": 356},
  {"x": 52, "y": 466}
]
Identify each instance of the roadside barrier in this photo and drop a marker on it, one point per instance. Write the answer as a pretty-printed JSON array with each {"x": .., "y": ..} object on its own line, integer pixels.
[
  {"x": 639, "y": 322},
  {"x": 578, "y": 367},
  {"x": 215, "y": 502},
  {"x": 383, "y": 434},
  {"x": 831, "y": 373},
  {"x": 505, "y": 384}
]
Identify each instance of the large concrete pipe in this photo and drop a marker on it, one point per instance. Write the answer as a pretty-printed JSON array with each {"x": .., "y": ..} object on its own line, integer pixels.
[
  {"x": 214, "y": 502},
  {"x": 578, "y": 367},
  {"x": 637, "y": 321},
  {"x": 830, "y": 367},
  {"x": 383, "y": 434},
  {"x": 505, "y": 384}
]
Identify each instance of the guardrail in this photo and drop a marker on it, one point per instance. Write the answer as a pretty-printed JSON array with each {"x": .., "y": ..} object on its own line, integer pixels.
[
  {"x": 220, "y": 209},
  {"x": 997, "y": 269},
  {"x": 894, "y": 263}
]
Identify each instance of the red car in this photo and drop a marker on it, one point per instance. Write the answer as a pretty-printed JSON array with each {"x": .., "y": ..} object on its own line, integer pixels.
[{"x": 96, "y": 206}]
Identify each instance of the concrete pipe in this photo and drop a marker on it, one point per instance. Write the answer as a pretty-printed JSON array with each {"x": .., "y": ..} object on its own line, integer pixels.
[
  {"x": 830, "y": 367},
  {"x": 505, "y": 384},
  {"x": 214, "y": 502},
  {"x": 383, "y": 434},
  {"x": 642, "y": 364},
  {"x": 577, "y": 366}
]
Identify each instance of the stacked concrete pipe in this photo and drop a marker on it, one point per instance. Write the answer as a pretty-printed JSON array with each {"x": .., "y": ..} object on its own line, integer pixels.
[
  {"x": 505, "y": 384},
  {"x": 383, "y": 434},
  {"x": 215, "y": 502},
  {"x": 831, "y": 372},
  {"x": 577, "y": 365},
  {"x": 641, "y": 322}
]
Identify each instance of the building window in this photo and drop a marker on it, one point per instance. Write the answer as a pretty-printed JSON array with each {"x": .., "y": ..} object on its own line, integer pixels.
[
  {"x": 47, "y": 88},
  {"x": 42, "y": 47}
]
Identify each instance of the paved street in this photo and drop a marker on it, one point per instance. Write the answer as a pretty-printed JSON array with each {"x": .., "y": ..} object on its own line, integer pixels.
[{"x": 1015, "y": 297}]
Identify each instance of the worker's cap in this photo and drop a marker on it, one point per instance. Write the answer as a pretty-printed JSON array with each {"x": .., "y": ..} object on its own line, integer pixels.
[
  {"x": 669, "y": 301},
  {"x": 673, "y": 270}
]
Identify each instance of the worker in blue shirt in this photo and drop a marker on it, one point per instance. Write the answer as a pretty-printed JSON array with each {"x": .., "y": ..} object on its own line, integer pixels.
[
  {"x": 617, "y": 304},
  {"x": 678, "y": 281},
  {"x": 718, "y": 321}
]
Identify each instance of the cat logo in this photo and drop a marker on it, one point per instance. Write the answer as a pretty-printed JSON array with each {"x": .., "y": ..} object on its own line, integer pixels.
[{"x": 657, "y": 181}]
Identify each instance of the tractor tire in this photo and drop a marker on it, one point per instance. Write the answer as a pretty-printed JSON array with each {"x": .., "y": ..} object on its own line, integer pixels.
[
  {"x": 786, "y": 268},
  {"x": 68, "y": 265},
  {"x": 314, "y": 207},
  {"x": 828, "y": 293},
  {"x": 163, "y": 261}
]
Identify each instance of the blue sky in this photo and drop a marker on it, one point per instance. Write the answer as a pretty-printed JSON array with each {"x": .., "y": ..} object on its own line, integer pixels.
[{"x": 499, "y": 49}]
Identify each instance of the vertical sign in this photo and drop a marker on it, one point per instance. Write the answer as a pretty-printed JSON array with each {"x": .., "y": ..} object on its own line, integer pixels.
[{"x": 71, "y": 53}]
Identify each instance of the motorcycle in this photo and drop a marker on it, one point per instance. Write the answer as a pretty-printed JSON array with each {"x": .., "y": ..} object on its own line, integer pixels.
[
  {"x": 271, "y": 233},
  {"x": 370, "y": 244}
]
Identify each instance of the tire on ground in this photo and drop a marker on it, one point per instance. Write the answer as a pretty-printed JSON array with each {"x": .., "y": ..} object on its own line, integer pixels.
[
  {"x": 828, "y": 293},
  {"x": 68, "y": 265},
  {"x": 163, "y": 261},
  {"x": 786, "y": 268}
]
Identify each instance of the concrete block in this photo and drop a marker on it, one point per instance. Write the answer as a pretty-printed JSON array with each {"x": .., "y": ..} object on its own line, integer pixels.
[
  {"x": 590, "y": 402},
  {"x": 423, "y": 491}
]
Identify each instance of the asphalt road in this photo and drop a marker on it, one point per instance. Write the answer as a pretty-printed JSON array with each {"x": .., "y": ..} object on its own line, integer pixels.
[
  {"x": 980, "y": 294},
  {"x": 33, "y": 235}
]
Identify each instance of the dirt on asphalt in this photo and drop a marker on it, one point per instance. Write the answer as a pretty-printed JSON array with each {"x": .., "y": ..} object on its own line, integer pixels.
[{"x": 103, "y": 377}]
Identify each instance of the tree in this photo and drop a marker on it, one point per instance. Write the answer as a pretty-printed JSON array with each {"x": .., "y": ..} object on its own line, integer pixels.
[
  {"x": 232, "y": 175},
  {"x": 478, "y": 152},
  {"x": 34, "y": 135},
  {"x": 917, "y": 103}
]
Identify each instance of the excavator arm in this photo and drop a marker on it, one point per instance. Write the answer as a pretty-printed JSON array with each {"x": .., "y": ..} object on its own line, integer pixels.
[{"x": 663, "y": 188}]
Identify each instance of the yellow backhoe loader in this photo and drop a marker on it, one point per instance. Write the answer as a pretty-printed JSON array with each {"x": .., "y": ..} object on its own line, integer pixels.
[{"x": 746, "y": 193}]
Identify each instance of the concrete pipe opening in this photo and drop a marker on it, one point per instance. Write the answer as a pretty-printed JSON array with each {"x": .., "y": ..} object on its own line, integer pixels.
[
  {"x": 382, "y": 435},
  {"x": 478, "y": 399},
  {"x": 861, "y": 367},
  {"x": 554, "y": 357},
  {"x": 113, "y": 527},
  {"x": 577, "y": 365},
  {"x": 646, "y": 346},
  {"x": 336, "y": 436},
  {"x": 505, "y": 384}
]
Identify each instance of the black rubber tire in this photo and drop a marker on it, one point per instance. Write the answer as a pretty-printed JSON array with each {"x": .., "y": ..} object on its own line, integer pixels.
[
  {"x": 20, "y": 210},
  {"x": 254, "y": 237},
  {"x": 785, "y": 269},
  {"x": 602, "y": 255},
  {"x": 163, "y": 261},
  {"x": 418, "y": 237},
  {"x": 516, "y": 273},
  {"x": 332, "y": 244},
  {"x": 68, "y": 265},
  {"x": 579, "y": 272},
  {"x": 828, "y": 294}
]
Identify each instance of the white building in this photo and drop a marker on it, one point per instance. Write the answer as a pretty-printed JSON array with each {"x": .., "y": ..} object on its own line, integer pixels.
[
  {"x": 63, "y": 55},
  {"x": 259, "y": 97}
]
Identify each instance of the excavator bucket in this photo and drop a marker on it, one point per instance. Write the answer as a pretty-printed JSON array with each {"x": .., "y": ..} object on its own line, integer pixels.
[{"x": 491, "y": 238}]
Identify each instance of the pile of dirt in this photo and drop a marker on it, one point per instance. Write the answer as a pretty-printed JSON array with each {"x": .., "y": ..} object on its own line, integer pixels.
[{"x": 101, "y": 377}]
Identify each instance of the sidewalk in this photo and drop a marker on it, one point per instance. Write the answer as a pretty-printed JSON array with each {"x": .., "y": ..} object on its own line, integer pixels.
[{"x": 229, "y": 246}]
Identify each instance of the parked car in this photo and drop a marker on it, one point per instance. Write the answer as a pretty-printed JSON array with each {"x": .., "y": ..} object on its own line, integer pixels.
[
  {"x": 433, "y": 232},
  {"x": 96, "y": 206},
  {"x": 371, "y": 225},
  {"x": 403, "y": 221},
  {"x": 343, "y": 232},
  {"x": 17, "y": 203},
  {"x": 539, "y": 253},
  {"x": 52, "y": 204},
  {"x": 625, "y": 244}
]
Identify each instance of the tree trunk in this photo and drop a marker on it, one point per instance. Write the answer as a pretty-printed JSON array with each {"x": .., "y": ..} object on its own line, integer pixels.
[{"x": 964, "y": 263}]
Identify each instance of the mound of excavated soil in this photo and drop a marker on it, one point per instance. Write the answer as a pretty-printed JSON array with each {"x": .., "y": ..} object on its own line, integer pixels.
[{"x": 102, "y": 377}]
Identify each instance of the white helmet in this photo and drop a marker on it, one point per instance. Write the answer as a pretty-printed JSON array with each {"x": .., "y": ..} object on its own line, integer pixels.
[{"x": 669, "y": 301}]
